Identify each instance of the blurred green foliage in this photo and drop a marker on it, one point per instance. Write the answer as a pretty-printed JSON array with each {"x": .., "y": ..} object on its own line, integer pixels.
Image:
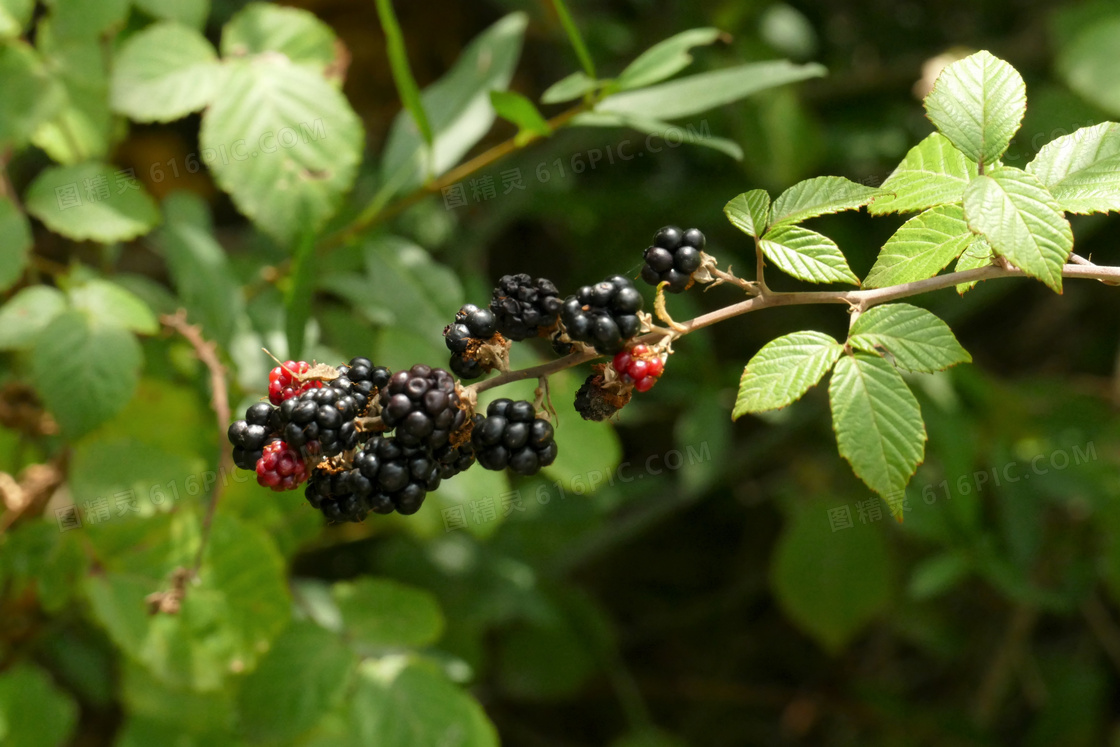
[{"x": 675, "y": 578}]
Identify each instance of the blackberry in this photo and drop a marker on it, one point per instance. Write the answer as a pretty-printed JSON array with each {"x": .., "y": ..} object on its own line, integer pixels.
[
  {"x": 472, "y": 325},
  {"x": 249, "y": 436},
  {"x": 595, "y": 402},
  {"x": 674, "y": 256},
  {"x": 603, "y": 315},
  {"x": 453, "y": 460},
  {"x": 638, "y": 365},
  {"x": 510, "y": 435},
  {"x": 394, "y": 475},
  {"x": 523, "y": 306},
  {"x": 320, "y": 421},
  {"x": 422, "y": 405},
  {"x": 280, "y": 467},
  {"x": 282, "y": 382}
]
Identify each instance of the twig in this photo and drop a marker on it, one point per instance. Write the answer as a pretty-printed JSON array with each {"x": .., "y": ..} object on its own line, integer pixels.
[
  {"x": 207, "y": 352},
  {"x": 861, "y": 299},
  {"x": 376, "y": 212}
]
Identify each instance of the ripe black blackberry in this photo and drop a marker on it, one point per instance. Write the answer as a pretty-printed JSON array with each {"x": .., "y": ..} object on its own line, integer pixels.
[
  {"x": 510, "y": 435},
  {"x": 603, "y": 315},
  {"x": 523, "y": 305},
  {"x": 320, "y": 421},
  {"x": 422, "y": 405},
  {"x": 360, "y": 380},
  {"x": 674, "y": 256},
  {"x": 249, "y": 436},
  {"x": 471, "y": 324},
  {"x": 453, "y": 460}
]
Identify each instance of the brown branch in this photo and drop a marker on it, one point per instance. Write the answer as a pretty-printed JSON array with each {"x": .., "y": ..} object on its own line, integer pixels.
[
  {"x": 207, "y": 352},
  {"x": 375, "y": 212},
  {"x": 858, "y": 300}
]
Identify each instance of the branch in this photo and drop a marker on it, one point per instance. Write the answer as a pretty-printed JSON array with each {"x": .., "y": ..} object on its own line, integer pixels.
[
  {"x": 859, "y": 300},
  {"x": 207, "y": 352},
  {"x": 376, "y": 212}
]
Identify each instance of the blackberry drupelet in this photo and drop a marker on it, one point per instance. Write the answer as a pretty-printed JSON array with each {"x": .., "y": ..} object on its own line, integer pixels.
[
  {"x": 280, "y": 467},
  {"x": 510, "y": 435},
  {"x": 422, "y": 405},
  {"x": 603, "y": 315},
  {"x": 249, "y": 436},
  {"x": 674, "y": 256},
  {"x": 523, "y": 306}
]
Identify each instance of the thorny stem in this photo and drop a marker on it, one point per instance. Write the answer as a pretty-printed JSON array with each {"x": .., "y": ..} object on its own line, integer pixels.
[
  {"x": 858, "y": 300},
  {"x": 207, "y": 353}
]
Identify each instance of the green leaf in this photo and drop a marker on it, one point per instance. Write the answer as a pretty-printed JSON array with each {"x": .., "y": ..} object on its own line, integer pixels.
[
  {"x": 750, "y": 212},
  {"x": 294, "y": 140},
  {"x": 30, "y": 95},
  {"x": 303, "y": 676},
  {"x": 199, "y": 267},
  {"x": 192, "y": 13},
  {"x": 413, "y": 706},
  {"x": 228, "y": 619},
  {"x": 934, "y": 576},
  {"x": 402, "y": 73},
  {"x": 1022, "y": 222},
  {"x": 142, "y": 731},
  {"x": 458, "y": 108},
  {"x": 15, "y": 243},
  {"x": 878, "y": 423},
  {"x": 569, "y": 88},
  {"x": 92, "y": 201},
  {"x": 520, "y": 110},
  {"x": 190, "y": 712},
  {"x": 14, "y": 17},
  {"x": 84, "y": 127},
  {"x": 84, "y": 373},
  {"x": 407, "y": 287},
  {"x": 1087, "y": 62},
  {"x": 830, "y": 583},
  {"x": 933, "y": 173},
  {"x": 665, "y": 59},
  {"x": 574, "y": 37},
  {"x": 293, "y": 32},
  {"x": 109, "y": 304},
  {"x": 297, "y": 297},
  {"x": 978, "y": 103},
  {"x": 806, "y": 255},
  {"x": 783, "y": 370},
  {"x": 673, "y": 134},
  {"x": 33, "y": 711},
  {"x": 80, "y": 18},
  {"x": 977, "y": 255},
  {"x": 380, "y": 613},
  {"x": 819, "y": 196},
  {"x": 37, "y": 555},
  {"x": 915, "y": 338},
  {"x": 27, "y": 313},
  {"x": 699, "y": 93},
  {"x": 163, "y": 73},
  {"x": 922, "y": 247},
  {"x": 1082, "y": 170}
]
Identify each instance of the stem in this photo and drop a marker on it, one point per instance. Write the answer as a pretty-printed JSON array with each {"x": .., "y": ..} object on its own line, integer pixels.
[
  {"x": 860, "y": 300},
  {"x": 207, "y": 352},
  {"x": 376, "y": 212}
]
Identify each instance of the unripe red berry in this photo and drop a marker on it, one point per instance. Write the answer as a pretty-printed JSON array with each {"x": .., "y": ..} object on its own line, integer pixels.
[
  {"x": 645, "y": 384},
  {"x": 621, "y": 361}
]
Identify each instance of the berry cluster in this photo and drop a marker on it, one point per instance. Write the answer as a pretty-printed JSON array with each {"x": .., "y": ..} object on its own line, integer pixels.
[
  {"x": 511, "y": 435},
  {"x": 473, "y": 326},
  {"x": 366, "y": 440},
  {"x": 639, "y": 366},
  {"x": 283, "y": 382},
  {"x": 524, "y": 306},
  {"x": 603, "y": 315},
  {"x": 672, "y": 259}
]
